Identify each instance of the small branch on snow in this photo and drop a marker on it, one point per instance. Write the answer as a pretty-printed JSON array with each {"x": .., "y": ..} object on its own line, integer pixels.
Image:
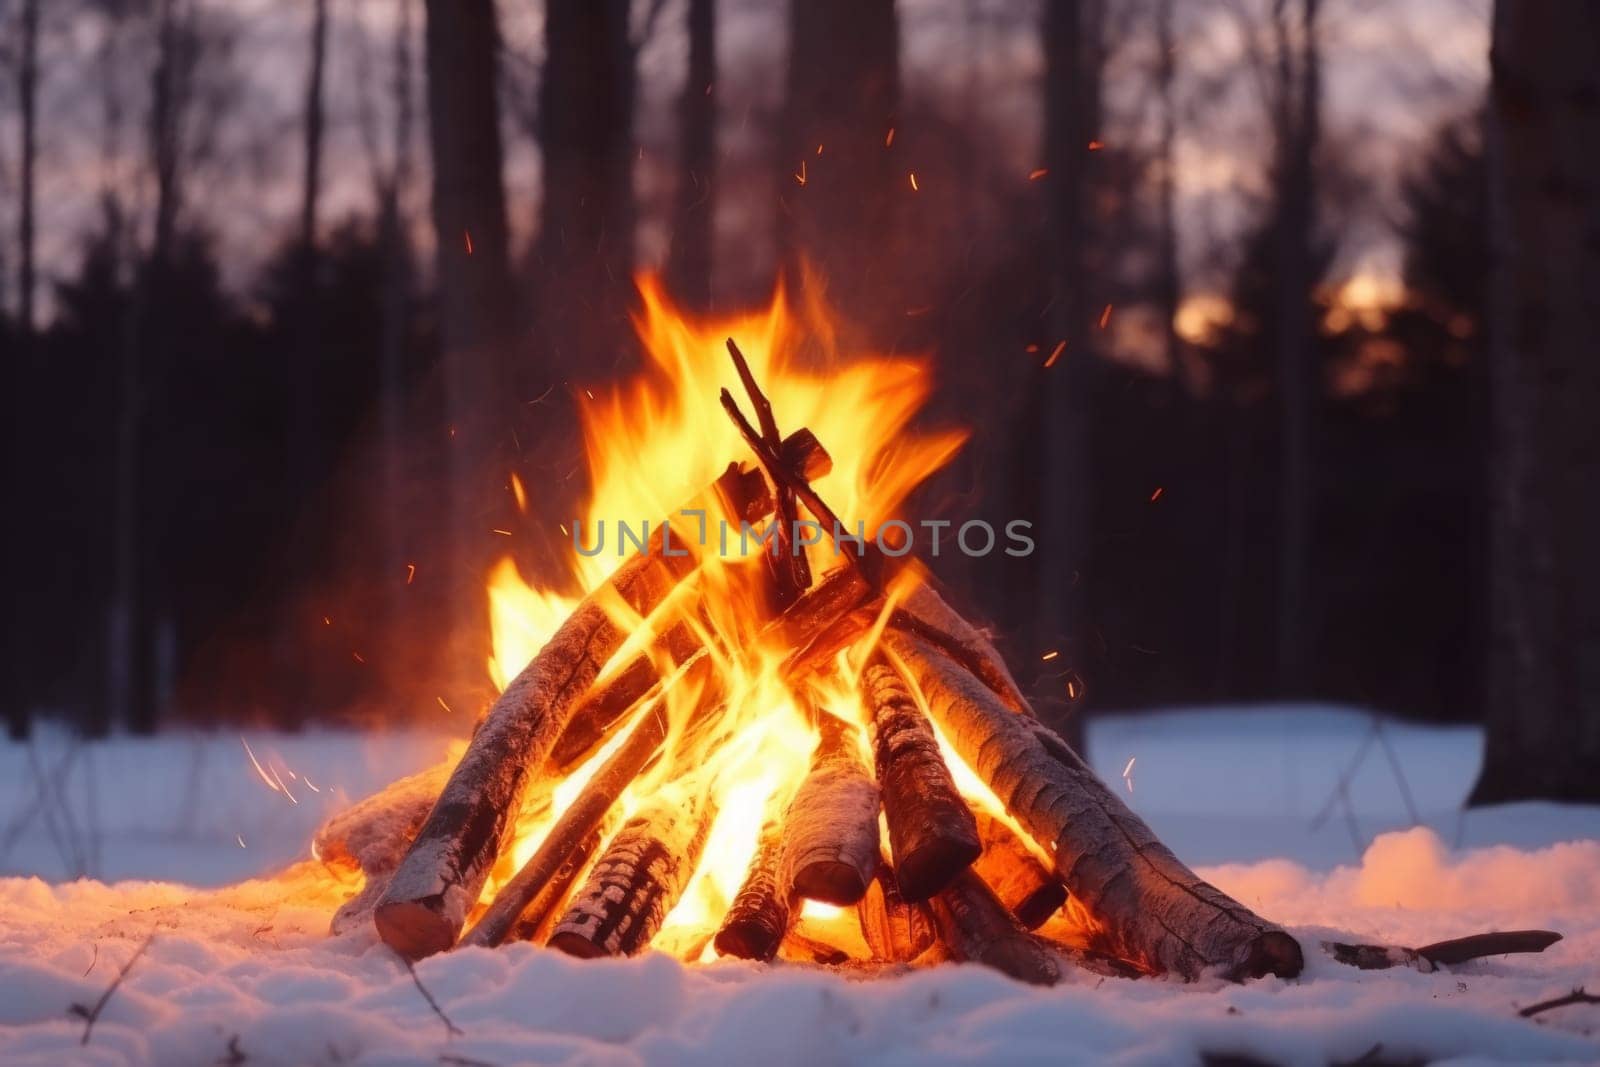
[
  {"x": 451, "y": 1028},
  {"x": 1577, "y": 996},
  {"x": 91, "y": 1014},
  {"x": 234, "y": 1054},
  {"x": 465, "y": 1061}
]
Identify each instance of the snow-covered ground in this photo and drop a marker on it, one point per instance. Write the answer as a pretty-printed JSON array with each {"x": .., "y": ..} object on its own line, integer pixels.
[{"x": 1301, "y": 813}]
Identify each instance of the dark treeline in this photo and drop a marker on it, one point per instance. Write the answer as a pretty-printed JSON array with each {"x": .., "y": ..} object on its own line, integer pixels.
[{"x": 272, "y": 500}]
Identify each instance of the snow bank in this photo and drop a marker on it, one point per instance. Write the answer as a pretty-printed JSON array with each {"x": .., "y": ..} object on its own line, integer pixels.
[{"x": 248, "y": 970}]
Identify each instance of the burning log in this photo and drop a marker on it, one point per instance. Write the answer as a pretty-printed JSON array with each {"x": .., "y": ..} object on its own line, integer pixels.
[
  {"x": 975, "y": 926},
  {"x": 927, "y": 614},
  {"x": 932, "y": 833},
  {"x": 1155, "y": 911},
  {"x": 744, "y": 496},
  {"x": 832, "y": 823},
  {"x": 540, "y": 915},
  {"x": 763, "y": 908},
  {"x": 425, "y": 905},
  {"x": 636, "y": 882},
  {"x": 897, "y": 930},
  {"x": 581, "y": 820},
  {"x": 1027, "y": 888}
]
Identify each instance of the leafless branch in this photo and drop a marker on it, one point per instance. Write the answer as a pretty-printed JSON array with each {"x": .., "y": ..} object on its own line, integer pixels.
[
  {"x": 1577, "y": 996},
  {"x": 451, "y": 1028},
  {"x": 90, "y": 1015}
]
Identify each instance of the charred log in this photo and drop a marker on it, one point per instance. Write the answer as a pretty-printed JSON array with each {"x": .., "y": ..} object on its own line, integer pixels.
[
  {"x": 932, "y": 833},
  {"x": 580, "y": 821},
  {"x": 547, "y": 904},
  {"x": 636, "y": 882},
  {"x": 1027, "y": 888},
  {"x": 763, "y": 908},
  {"x": 975, "y": 926},
  {"x": 832, "y": 823},
  {"x": 897, "y": 930},
  {"x": 1155, "y": 911}
]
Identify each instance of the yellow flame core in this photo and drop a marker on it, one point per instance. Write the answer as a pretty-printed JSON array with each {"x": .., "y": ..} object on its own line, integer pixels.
[{"x": 657, "y": 440}]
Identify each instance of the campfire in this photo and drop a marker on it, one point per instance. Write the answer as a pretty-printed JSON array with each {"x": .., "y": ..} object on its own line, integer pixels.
[{"x": 763, "y": 732}]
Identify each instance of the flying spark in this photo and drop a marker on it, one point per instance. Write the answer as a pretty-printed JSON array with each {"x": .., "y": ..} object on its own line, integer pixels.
[
  {"x": 1055, "y": 353},
  {"x": 411, "y": 572},
  {"x": 1035, "y": 175},
  {"x": 914, "y": 181},
  {"x": 1157, "y": 494}
]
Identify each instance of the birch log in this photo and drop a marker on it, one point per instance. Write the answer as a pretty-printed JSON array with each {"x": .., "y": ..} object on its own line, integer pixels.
[
  {"x": 1155, "y": 911},
  {"x": 976, "y": 927},
  {"x": 832, "y": 823},
  {"x": 897, "y": 930},
  {"x": 1028, "y": 889},
  {"x": 638, "y": 879},
  {"x": 763, "y": 908},
  {"x": 581, "y": 819},
  {"x": 932, "y": 834},
  {"x": 425, "y": 905}
]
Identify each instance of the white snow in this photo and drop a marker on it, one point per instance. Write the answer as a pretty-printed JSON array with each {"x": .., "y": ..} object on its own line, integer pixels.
[{"x": 248, "y": 968}]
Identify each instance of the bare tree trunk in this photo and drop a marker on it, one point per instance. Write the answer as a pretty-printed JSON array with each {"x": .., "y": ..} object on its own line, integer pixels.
[
  {"x": 28, "y": 101},
  {"x": 139, "y": 600},
  {"x": 311, "y": 183},
  {"x": 1168, "y": 278},
  {"x": 585, "y": 246},
  {"x": 475, "y": 297},
  {"x": 1056, "y": 482},
  {"x": 14, "y": 694},
  {"x": 1544, "y": 708},
  {"x": 1298, "y": 375},
  {"x": 393, "y": 346},
  {"x": 837, "y": 209},
  {"x": 694, "y": 216}
]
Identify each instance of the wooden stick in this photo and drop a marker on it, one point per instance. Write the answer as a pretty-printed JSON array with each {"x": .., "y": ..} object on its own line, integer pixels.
[
  {"x": 613, "y": 698},
  {"x": 975, "y": 926},
  {"x": 1027, "y": 888},
  {"x": 867, "y": 558},
  {"x": 764, "y": 906},
  {"x": 636, "y": 881},
  {"x": 1430, "y": 958},
  {"x": 536, "y": 920},
  {"x": 425, "y": 905},
  {"x": 1155, "y": 911},
  {"x": 790, "y": 572},
  {"x": 581, "y": 819},
  {"x": 832, "y": 823},
  {"x": 932, "y": 833},
  {"x": 897, "y": 930}
]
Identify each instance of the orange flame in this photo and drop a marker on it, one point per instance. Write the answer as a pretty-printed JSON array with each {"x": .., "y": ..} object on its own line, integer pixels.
[{"x": 657, "y": 440}]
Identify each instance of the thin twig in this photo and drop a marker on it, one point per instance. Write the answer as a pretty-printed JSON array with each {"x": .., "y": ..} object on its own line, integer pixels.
[
  {"x": 451, "y": 1028},
  {"x": 1577, "y": 996},
  {"x": 90, "y": 1015},
  {"x": 792, "y": 573},
  {"x": 868, "y": 559}
]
